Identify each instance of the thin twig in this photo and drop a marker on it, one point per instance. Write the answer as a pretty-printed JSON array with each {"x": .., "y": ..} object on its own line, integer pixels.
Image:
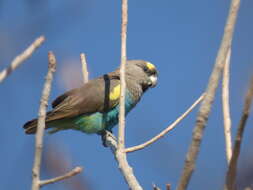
[
  {"x": 231, "y": 173},
  {"x": 205, "y": 107},
  {"x": 169, "y": 128},
  {"x": 56, "y": 165},
  {"x": 72, "y": 173},
  {"x": 84, "y": 68},
  {"x": 41, "y": 122},
  {"x": 226, "y": 108},
  {"x": 155, "y": 187},
  {"x": 126, "y": 170},
  {"x": 168, "y": 186},
  {"x": 21, "y": 58}
]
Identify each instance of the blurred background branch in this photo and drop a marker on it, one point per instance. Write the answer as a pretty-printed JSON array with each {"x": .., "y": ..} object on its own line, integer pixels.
[
  {"x": 226, "y": 107},
  {"x": 232, "y": 169},
  {"x": 206, "y": 105},
  {"x": 21, "y": 58}
]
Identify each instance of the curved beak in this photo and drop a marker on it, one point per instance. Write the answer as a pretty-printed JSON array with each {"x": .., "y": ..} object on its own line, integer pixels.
[{"x": 153, "y": 80}]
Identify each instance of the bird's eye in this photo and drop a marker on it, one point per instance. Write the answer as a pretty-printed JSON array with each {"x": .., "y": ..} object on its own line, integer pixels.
[
  {"x": 149, "y": 72},
  {"x": 145, "y": 69}
]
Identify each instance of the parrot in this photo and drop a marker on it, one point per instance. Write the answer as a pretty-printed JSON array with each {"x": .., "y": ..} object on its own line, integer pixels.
[{"x": 94, "y": 107}]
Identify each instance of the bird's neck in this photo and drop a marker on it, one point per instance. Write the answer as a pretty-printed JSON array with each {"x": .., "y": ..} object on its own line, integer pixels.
[{"x": 135, "y": 90}]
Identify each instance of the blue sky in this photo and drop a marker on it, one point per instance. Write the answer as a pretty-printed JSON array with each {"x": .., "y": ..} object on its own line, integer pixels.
[{"x": 180, "y": 37}]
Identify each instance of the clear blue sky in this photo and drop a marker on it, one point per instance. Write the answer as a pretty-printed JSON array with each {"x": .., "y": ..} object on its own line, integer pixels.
[{"x": 180, "y": 37}]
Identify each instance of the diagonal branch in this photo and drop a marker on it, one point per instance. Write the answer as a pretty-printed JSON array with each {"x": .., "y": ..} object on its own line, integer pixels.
[
  {"x": 231, "y": 173},
  {"x": 165, "y": 131},
  {"x": 41, "y": 122},
  {"x": 155, "y": 187},
  {"x": 226, "y": 108},
  {"x": 71, "y": 173},
  {"x": 21, "y": 58},
  {"x": 205, "y": 107}
]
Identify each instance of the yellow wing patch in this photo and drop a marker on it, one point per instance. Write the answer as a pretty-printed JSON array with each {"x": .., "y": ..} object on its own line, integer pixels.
[
  {"x": 115, "y": 94},
  {"x": 150, "y": 66}
]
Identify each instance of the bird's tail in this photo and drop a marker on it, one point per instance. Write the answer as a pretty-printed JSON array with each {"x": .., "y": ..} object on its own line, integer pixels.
[{"x": 30, "y": 127}]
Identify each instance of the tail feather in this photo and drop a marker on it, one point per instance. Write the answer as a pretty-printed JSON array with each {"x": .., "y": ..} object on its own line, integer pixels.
[{"x": 31, "y": 126}]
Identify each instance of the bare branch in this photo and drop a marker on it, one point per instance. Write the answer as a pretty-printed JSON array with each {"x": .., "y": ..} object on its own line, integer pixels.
[
  {"x": 21, "y": 58},
  {"x": 121, "y": 135},
  {"x": 126, "y": 170},
  {"x": 168, "y": 187},
  {"x": 165, "y": 131},
  {"x": 226, "y": 108},
  {"x": 205, "y": 107},
  {"x": 232, "y": 170},
  {"x": 84, "y": 68},
  {"x": 120, "y": 155},
  {"x": 155, "y": 187},
  {"x": 72, "y": 173},
  {"x": 41, "y": 122},
  {"x": 56, "y": 166}
]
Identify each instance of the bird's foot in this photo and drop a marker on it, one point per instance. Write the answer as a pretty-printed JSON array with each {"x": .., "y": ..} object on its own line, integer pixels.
[{"x": 105, "y": 135}]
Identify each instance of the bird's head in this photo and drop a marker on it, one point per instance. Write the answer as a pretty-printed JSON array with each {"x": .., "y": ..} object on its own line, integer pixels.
[{"x": 143, "y": 72}]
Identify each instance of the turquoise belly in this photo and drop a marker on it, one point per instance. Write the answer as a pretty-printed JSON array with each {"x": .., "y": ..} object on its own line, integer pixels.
[{"x": 97, "y": 122}]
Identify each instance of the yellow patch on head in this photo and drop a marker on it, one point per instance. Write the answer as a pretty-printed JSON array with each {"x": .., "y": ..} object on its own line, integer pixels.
[
  {"x": 115, "y": 94},
  {"x": 150, "y": 66}
]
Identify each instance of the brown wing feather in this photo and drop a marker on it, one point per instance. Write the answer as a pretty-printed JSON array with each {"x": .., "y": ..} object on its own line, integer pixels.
[
  {"x": 91, "y": 97},
  {"x": 62, "y": 97}
]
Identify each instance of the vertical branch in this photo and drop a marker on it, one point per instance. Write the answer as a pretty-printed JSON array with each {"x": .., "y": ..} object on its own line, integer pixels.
[
  {"x": 205, "y": 107},
  {"x": 168, "y": 187},
  {"x": 120, "y": 155},
  {"x": 121, "y": 135},
  {"x": 226, "y": 108},
  {"x": 231, "y": 173},
  {"x": 41, "y": 122},
  {"x": 84, "y": 68}
]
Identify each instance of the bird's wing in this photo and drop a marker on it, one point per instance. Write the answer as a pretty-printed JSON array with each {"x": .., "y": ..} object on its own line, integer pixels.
[
  {"x": 98, "y": 95},
  {"x": 62, "y": 97}
]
